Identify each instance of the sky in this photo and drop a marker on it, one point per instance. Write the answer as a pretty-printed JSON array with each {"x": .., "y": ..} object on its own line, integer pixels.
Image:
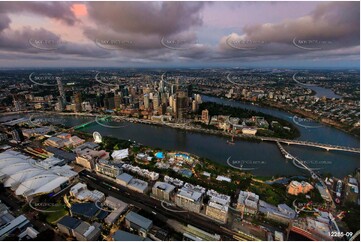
[{"x": 180, "y": 34}]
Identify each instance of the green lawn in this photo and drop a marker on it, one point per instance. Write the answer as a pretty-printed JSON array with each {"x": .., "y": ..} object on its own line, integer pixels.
[{"x": 59, "y": 212}]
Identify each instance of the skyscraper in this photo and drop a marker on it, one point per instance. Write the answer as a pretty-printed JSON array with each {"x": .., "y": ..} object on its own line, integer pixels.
[
  {"x": 156, "y": 101},
  {"x": 181, "y": 105},
  {"x": 146, "y": 101},
  {"x": 77, "y": 102},
  {"x": 117, "y": 100},
  {"x": 61, "y": 90}
]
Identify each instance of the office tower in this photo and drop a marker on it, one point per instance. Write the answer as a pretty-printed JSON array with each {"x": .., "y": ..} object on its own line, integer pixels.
[
  {"x": 77, "y": 102},
  {"x": 59, "y": 106},
  {"x": 173, "y": 89},
  {"x": 181, "y": 105},
  {"x": 163, "y": 98},
  {"x": 61, "y": 90},
  {"x": 194, "y": 106},
  {"x": 190, "y": 90},
  {"x": 146, "y": 101},
  {"x": 198, "y": 98},
  {"x": 161, "y": 86},
  {"x": 125, "y": 91},
  {"x": 117, "y": 101},
  {"x": 156, "y": 101},
  {"x": 162, "y": 109}
]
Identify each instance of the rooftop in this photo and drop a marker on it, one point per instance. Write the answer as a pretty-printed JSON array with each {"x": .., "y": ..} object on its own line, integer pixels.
[
  {"x": 69, "y": 222},
  {"x": 125, "y": 177},
  {"x": 139, "y": 220}
]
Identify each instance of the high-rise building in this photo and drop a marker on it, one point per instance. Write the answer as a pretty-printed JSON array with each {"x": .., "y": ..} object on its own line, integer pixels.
[
  {"x": 146, "y": 101},
  {"x": 190, "y": 90},
  {"x": 205, "y": 116},
  {"x": 194, "y": 106},
  {"x": 181, "y": 105},
  {"x": 161, "y": 86},
  {"x": 117, "y": 101},
  {"x": 198, "y": 98},
  {"x": 61, "y": 90},
  {"x": 77, "y": 102},
  {"x": 173, "y": 89},
  {"x": 156, "y": 101}
]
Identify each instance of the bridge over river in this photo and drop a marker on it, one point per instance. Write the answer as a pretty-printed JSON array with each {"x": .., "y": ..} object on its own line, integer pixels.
[{"x": 327, "y": 147}]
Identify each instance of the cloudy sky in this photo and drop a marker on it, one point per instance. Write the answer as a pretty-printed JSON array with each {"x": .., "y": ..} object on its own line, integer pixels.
[{"x": 180, "y": 34}]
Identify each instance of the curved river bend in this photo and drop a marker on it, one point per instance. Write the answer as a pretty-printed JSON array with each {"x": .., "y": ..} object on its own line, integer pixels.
[{"x": 262, "y": 159}]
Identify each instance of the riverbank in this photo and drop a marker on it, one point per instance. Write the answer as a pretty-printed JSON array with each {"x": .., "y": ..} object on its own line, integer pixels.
[{"x": 304, "y": 114}]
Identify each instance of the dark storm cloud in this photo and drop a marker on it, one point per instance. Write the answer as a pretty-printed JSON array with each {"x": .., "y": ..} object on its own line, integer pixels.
[
  {"x": 146, "y": 17},
  {"x": 4, "y": 22},
  {"x": 335, "y": 21},
  {"x": 56, "y": 10}
]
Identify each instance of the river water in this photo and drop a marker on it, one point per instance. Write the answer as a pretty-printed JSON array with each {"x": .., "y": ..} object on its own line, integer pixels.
[{"x": 263, "y": 159}]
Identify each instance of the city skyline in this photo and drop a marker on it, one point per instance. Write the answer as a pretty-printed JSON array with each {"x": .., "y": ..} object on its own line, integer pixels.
[{"x": 180, "y": 34}]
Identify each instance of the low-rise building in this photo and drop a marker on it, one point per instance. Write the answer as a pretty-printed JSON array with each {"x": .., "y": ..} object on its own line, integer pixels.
[
  {"x": 73, "y": 141},
  {"x": 86, "y": 232},
  {"x": 121, "y": 235},
  {"x": 54, "y": 142},
  {"x": 282, "y": 213},
  {"x": 248, "y": 202},
  {"x": 217, "y": 207},
  {"x": 88, "y": 158},
  {"x": 190, "y": 197},
  {"x": 119, "y": 207},
  {"x": 138, "y": 185},
  {"x": 163, "y": 191},
  {"x": 138, "y": 223},
  {"x": 80, "y": 192},
  {"x": 104, "y": 167},
  {"x": 249, "y": 131},
  {"x": 123, "y": 179},
  {"x": 295, "y": 187},
  {"x": 67, "y": 224}
]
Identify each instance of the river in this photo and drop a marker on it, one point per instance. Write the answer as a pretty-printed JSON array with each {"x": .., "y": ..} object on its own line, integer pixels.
[{"x": 263, "y": 159}]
